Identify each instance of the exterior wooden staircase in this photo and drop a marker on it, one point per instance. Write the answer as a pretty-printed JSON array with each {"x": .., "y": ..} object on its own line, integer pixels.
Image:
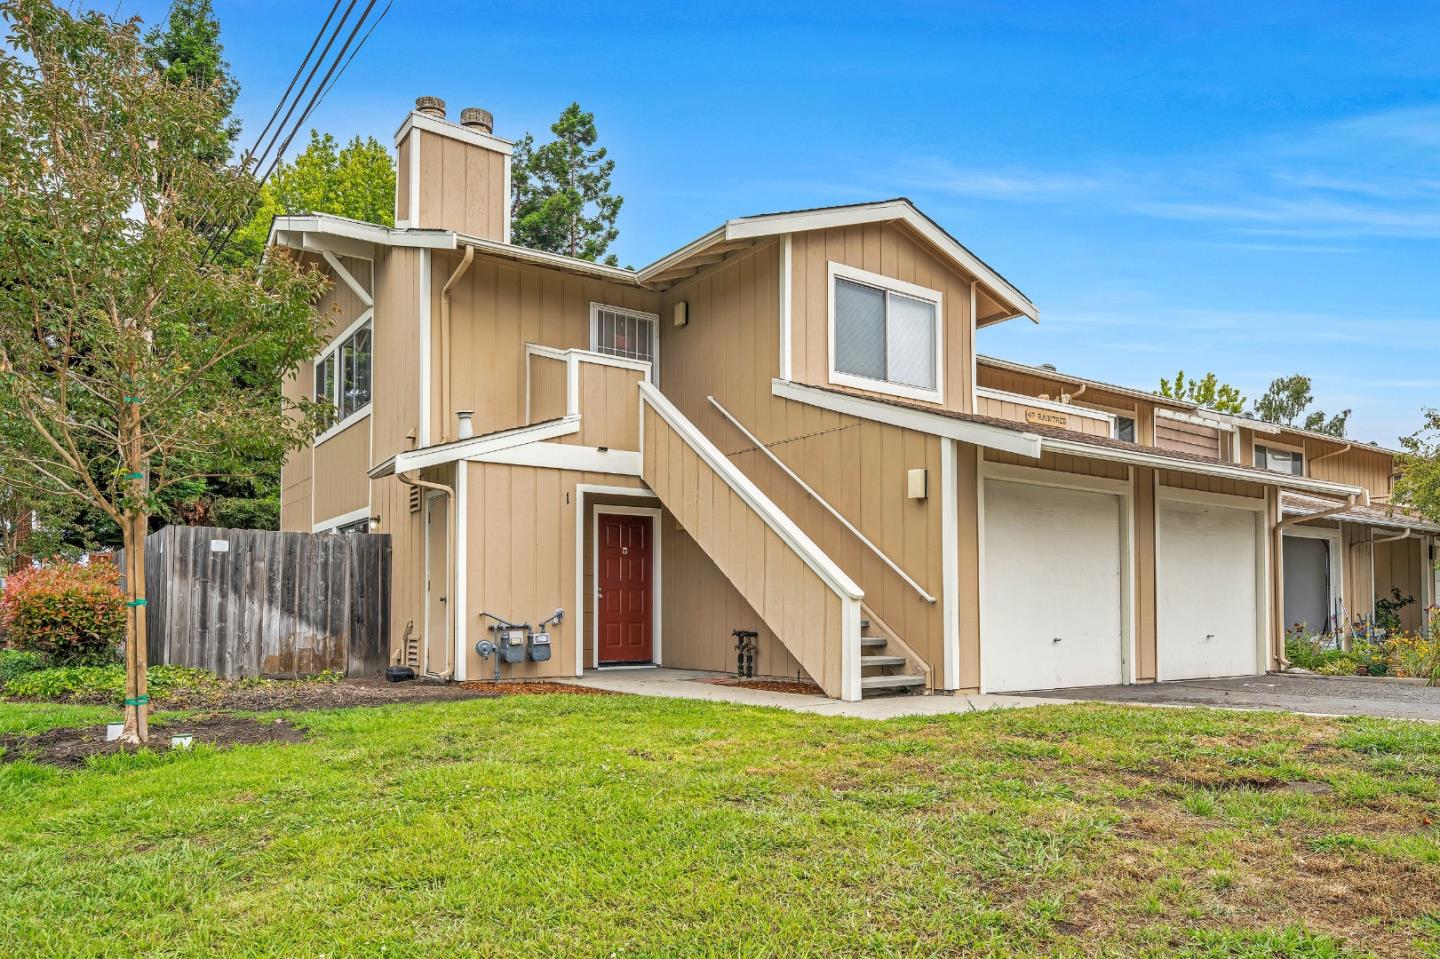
[{"x": 887, "y": 665}]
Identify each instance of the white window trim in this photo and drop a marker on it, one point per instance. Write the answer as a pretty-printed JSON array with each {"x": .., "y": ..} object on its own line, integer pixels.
[
  {"x": 654, "y": 318},
  {"x": 342, "y": 425},
  {"x": 344, "y": 519},
  {"x": 892, "y": 285},
  {"x": 1116, "y": 413},
  {"x": 656, "y": 515},
  {"x": 1284, "y": 448}
]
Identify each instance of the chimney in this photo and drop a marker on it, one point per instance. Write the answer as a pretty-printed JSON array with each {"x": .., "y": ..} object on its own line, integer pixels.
[
  {"x": 452, "y": 176},
  {"x": 475, "y": 118},
  {"x": 466, "y": 427}
]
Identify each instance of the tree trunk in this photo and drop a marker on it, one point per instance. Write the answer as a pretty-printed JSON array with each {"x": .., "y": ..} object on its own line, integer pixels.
[{"x": 137, "y": 709}]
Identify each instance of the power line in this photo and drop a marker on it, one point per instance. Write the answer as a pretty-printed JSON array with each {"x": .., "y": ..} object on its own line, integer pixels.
[
  {"x": 286, "y": 95},
  {"x": 323, "y": 93}
]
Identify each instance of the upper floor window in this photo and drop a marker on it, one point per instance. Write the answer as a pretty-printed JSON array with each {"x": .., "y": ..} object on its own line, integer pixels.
[
  {"x": 1125, "y": 428},
  {"x": 631, "y": 334},
  {"x": 885, "y": 334},
  {"x": 343, "y": 372},
  {"x": 1280, "y": 461}
]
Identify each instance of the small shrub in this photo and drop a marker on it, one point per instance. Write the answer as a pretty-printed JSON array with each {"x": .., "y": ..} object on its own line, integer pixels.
[
  {"x": 18, "y": 662},
  {"x": 1310, "y": 650},
  {"x": 1387, "y": 610},
  {"x": 104, "y": 683},
  {"x": 67, "y": 612},
  {"x": 1417, "y": 656}
]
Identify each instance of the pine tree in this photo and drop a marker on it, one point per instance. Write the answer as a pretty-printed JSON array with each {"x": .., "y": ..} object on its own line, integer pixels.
[
  {"x": 188, "y": 51},
  {"x": 561, "y": 192}
]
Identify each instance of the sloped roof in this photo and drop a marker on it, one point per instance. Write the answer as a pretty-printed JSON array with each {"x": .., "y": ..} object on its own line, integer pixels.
[{"x": 1376, "y": 514}]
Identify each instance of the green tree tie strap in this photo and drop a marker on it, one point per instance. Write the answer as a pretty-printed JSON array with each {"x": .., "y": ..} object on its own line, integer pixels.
[
  {"x": 132, "y": 399},
  {"x": 134, "y": 476},
  {"x": 136, "y": 700},
  {"x": 136, "y": 602}
]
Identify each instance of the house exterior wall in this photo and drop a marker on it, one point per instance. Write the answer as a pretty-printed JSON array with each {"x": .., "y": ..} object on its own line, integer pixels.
[
  {"x": 1008, "y": 409},
  {"x": 1185, "y": 437},
  {"x": 1400, "y": 565},
  {"x": 730, "y": 350},
  {"x": 495, "y": 309},
  {"x": 892, "y": 251},
  {"x": 341, "y": 462}
]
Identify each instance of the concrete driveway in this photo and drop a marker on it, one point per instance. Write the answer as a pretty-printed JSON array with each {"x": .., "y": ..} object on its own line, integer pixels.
[{"x": 1290, "y": 692}]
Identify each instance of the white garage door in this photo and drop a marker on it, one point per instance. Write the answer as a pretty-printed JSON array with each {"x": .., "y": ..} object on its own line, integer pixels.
[
  {"x": 1206, "y": 595},
  {"x": 1052, "y": 604}
]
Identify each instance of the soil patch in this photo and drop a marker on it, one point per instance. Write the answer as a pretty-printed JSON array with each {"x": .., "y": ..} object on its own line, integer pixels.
[
  {"x": 70, "y": 748},
  {"x": 773, "y": 685},
  {"x": 521, "y": 687},
  {"x": 302, "y": 694}
]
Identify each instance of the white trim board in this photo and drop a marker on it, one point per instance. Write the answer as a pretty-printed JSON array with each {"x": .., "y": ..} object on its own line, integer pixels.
[
  {"x": 1021, "y": 399},
  {"x": 424, "y": 341},
  {"x": 354, "y": 516},
  {"x": 565, "y": 456},
  {"x": 475, "y": 446},
  {"x": 460, "y": 593},
  {"x": 656, "y": 514},
  {"x": 423, "y": 121}
]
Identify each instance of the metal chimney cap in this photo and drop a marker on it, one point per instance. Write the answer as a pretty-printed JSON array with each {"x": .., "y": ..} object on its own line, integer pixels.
[
  {"x": 434, "y": 106},
  {"x": 477, "y": 118}
]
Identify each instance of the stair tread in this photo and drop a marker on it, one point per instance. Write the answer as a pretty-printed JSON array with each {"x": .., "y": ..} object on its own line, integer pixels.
[
  {"x": 872, "y": 642},
  {"x": 882, "y": 660},
  {"x": 889, "y": 682}
]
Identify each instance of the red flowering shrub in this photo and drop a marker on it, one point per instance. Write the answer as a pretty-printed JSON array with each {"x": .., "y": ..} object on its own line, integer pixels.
[{"x": 68, "y": 612}]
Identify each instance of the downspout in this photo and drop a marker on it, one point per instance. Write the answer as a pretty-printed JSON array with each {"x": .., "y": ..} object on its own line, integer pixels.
[
  {"x": 1325, "y": 456},
  {"x": 445, "y": 377},
  {"x": 1277, "y": 550},
  {"x": 449, "y": 672}
]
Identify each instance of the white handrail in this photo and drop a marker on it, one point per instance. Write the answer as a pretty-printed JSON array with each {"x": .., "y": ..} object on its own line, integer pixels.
[
  {"x": 783, "y": 526},
  {"x": 821, "y": 500}
]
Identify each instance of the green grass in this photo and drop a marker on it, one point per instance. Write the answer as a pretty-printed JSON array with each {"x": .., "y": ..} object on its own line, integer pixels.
[{"x": 599, "y": 826}]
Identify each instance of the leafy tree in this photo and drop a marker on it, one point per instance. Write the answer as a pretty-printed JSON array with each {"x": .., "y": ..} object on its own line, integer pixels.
[
  {"x": 1418, "y": 485},
  {"x": 561, "y": 199},
  {"x": 129, "y": 362},
  {"x": 357, "y": 180},
  {"x": 1290, "y": 396},
  {"x": 188, "y": 50},
  {"x": 1208, "y": 392}
]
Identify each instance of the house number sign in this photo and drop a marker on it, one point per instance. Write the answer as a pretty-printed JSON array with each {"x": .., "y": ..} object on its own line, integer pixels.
[{"x": 1043, "y": 418}]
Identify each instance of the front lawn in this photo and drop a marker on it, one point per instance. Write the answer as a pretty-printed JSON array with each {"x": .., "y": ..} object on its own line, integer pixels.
[{"x": 599, "y": 826}]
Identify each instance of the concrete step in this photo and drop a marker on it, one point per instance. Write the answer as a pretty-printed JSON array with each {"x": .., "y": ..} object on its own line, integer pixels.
[
  {"x": 872, "y": 642},
  {"x": 880, "y": 683},
  {"x": 882, "y": 660}
]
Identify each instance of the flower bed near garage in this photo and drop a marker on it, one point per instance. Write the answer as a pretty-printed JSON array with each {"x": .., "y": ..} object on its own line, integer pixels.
[{"x": 1401, "y": 654}]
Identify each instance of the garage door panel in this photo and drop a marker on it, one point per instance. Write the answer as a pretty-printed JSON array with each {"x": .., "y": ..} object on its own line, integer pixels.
[
  {"x": 1207, "y": 598},
  {"x": 1052, "y": 613}
]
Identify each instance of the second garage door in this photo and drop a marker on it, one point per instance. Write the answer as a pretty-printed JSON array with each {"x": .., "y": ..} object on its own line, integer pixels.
[
  {"x": 1206, "y": 591},
  {"x": 1052, "y": 604}
]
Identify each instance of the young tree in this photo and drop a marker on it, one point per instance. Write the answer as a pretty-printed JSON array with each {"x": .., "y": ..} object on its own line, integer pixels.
[
  {"x": 1418, "y": 485},
  {"x": 129, "y": 362},
  {"x": 561, "y": 199},
  {"x": 1208, "y": 392},
  {"x": 356, "y": 180},
  {"x": 1288, "y": 397}
]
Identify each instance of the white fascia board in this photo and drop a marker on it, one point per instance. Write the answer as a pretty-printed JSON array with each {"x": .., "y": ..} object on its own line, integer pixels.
[
  {"x": 1198, "y": 420},
  {"x": 557, "y": 261},
  {"x": 685, "y": 252},
  {"x": 1160, "y": 461},
  {"x": 1383, "y": 522},
  {"x": 979, "y": 434},
  {"x": 470, "y": 449},
  {"x": 328, "y": 225},
  {"x": 587, "y": 356},
  {"x": 775, "y": 223},
  {"x": 565, "y": 456},
  {"x": 423, "y": 121}
]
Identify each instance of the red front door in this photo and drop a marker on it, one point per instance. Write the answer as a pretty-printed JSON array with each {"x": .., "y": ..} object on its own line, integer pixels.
[{"x": 625, "y": 601}]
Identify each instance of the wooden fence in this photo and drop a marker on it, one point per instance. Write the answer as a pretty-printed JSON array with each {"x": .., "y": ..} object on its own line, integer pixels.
[{"x": 255, "y": 603}]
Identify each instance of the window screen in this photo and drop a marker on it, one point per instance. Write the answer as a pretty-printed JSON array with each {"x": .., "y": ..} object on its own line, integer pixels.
[
  {"x": 343, "y": 377},
  {"x": 617, "y": 333},
  {"x": 1280, "y": 461},
  {"x": 1125, "y": 429},
  {"x": 883, "y": 335}
]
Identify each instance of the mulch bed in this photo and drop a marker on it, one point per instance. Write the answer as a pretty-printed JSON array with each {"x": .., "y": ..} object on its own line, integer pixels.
[
  {"x": 520, "y": 687},
  {"x": 70, "y": 748},
  {"x": 772, "y": 685}
]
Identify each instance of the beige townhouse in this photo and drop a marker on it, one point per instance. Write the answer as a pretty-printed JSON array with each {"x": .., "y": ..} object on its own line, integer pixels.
[{"x": 784, "y": 427}]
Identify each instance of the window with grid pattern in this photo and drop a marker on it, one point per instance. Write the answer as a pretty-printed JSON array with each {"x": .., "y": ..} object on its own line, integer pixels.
[{"x": 625, "y": 333}]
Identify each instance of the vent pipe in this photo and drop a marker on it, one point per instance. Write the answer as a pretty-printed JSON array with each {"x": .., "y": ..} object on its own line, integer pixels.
[
  {"x": 430, "y": 106},
  {"x": 477, "y": 119},
  {"x": 466, "y": 428}
]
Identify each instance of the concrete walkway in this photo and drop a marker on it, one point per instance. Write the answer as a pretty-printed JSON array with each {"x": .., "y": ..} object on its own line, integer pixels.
[{"x": 691, "y": 684}]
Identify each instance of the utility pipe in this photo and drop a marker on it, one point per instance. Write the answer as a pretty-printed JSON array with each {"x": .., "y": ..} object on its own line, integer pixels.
[
  {"x": 1277, "y": 550},
  {"x": 410, "y": 480},
  {"x": 445, "y": 377}
]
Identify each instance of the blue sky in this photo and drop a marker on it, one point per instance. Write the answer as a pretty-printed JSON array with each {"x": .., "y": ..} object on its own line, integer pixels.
[{"x": 1249, "y": 188}]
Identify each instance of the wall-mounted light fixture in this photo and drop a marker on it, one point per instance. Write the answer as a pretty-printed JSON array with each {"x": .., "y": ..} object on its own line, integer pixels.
[
  {"x": 915, "y": 484},
  {"x": 682, "y": 313}
]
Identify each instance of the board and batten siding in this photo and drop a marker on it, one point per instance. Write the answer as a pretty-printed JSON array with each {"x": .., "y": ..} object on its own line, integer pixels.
[
  {"x": 1007, "y": 409},
  {"x": 496, "y": 308},
  {"x": 462, "y": 186},
  {"x": 609, "y": 408},
  {"x": 1399, "y": 565},
  {"x": 1186, "y": 437},
  {"x": 546, "y": 388},
  {"x": 794, "y": 601},
  {"x": 729, "y": 349},
  {"x": 341, "y": 462},
  {"x": 1016, "y": 381},
  {"x": 300, "y": 508},
  {"x": 889, "y": 250}
]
